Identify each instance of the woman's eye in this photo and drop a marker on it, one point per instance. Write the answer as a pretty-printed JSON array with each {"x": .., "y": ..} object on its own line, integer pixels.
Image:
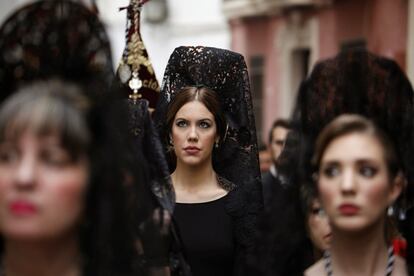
[
  {"x": 205, "y": 124},
  {"x": 331, "y": 171},
  {"x": 315, "y": 211},
  {"x": 8, "y": 155},
  {"x": 367, "y": 171},
  {"x": 318, "y": 212},
  {"x": 181, "y": 123},
  {"x": 56, "y": 158}
]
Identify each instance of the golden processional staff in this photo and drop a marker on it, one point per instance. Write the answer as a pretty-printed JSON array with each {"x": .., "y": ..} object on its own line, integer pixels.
[{"x": 135, "y": 70}]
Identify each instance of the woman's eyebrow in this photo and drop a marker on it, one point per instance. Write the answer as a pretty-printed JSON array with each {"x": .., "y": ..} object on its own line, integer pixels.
[{"x": 330, "y": 162}]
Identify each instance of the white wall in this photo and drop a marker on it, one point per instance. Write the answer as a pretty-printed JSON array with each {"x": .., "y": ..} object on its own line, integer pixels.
[{"x": 8, "y": 6}]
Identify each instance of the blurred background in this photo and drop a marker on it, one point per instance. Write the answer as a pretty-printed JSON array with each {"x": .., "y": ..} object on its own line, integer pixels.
[{"x": 280, "y": 39}]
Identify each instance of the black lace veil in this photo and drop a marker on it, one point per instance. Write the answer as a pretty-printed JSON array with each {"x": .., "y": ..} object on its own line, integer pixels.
[
  {"x": 362, "y": 83},
  {"x": 147, "y": 139},
  {"x": 33, "y": 47}
]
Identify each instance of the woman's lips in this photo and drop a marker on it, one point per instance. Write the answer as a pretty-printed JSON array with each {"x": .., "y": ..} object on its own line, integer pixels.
[
  {"x": 22, "y": 208},
  {"x": 348, "y": 209},
  {"x": 191, "y": 150},
  {"x": 327, "y": 237}
]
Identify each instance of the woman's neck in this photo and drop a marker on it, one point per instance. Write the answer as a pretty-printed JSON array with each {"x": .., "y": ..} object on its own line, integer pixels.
[
  {"x": 60, "y": 257},
  {"x": 359, "y": 253},
  {"x": 193, "y": 178},
  {"x": 196, "y": 183}
]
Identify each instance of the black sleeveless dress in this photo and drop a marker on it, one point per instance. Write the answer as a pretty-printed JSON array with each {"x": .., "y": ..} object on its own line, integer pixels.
[{"x": 207, "y": 232}]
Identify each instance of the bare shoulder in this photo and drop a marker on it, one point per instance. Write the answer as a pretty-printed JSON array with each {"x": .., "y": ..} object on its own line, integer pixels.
[
  {"x": 316, "y": 270},
  {"x": 400, "y": 267}
]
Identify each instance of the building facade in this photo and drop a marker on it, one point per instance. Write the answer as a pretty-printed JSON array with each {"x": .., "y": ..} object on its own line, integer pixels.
[{"x": 283, "y": 39}]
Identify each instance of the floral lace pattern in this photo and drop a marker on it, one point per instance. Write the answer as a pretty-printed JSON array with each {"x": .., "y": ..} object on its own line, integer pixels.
[
  {"x": 146, "y": 138},
  {"x": 361, "y": 83},
  {"x": 33, "y": 47}
]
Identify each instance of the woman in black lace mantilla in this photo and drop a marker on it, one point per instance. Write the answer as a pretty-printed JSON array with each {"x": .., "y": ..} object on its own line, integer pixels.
[
  {"x": 353, "y": 82},
  {"x": 205, "y": 117},
  {"x": 65, "y": 40}
]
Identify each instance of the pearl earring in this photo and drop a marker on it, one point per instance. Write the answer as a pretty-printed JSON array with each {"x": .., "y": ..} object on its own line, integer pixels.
[{"x": 390, "y": 211}]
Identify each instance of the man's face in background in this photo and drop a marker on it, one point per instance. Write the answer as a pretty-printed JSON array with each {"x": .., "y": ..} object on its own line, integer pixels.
[{"x": 277, "y": 142}]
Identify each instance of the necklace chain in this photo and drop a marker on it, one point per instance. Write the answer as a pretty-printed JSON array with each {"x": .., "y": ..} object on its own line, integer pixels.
[{"x": 388, "y": 271}]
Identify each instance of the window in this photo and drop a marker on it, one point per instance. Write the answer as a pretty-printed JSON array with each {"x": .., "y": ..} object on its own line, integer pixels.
[
  {"x": 299, "y": 69},
  {"x": 256, "y": 78}
]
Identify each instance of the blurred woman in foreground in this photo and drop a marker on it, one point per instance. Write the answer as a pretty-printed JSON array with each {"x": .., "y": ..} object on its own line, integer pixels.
[
  {"x": 358, "y": 178},
  {"x": 62, "y": 200}
]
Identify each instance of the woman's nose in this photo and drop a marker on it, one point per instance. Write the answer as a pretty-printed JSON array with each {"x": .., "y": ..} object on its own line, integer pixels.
[
  {"x": 193, "y": 135},
  {"x": 25, "y": 172},
  {"x": 348, "y": 182}
]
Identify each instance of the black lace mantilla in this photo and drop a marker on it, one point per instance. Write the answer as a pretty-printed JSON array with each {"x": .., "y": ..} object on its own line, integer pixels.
[
  {"x": 357, "y": 82},
  {"x": 33, "y": 47},
  {"x": 146, "y": 138},
  {"x": 236, "y": 160},
  {"x": 225, "y": 184}
]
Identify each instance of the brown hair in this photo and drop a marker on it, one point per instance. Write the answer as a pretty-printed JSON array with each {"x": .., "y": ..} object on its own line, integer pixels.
[
  {"x": 351, "y": 123},
  {"x": 206, "y": 96}
]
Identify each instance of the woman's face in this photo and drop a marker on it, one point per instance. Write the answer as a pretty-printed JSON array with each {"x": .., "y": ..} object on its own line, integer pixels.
[
  {"x": 193, "y": 134},
  {"x": 42, "y": 190},
  {"x": 354, "y": 183},
  {"x": 318, "y": 225}
]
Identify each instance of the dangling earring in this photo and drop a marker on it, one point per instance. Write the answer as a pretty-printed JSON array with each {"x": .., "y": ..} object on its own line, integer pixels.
[
  {"x": 170, "y": 141},
  {"x": 403, "y": 203},
  {"x": 170, "y": 144},
  {"x": 390, "y": 211},
  {"x": 216, "y": 144},
  {"x": 401, "y": 214}
]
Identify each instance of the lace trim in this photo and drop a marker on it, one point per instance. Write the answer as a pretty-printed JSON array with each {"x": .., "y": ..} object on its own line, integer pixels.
[{"x": 225, "y": 184}]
